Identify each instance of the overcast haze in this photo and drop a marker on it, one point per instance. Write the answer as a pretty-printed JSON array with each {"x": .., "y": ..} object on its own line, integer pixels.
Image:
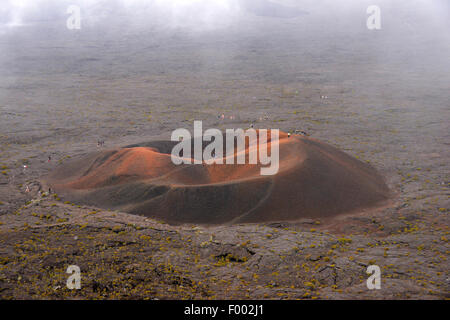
[{"x": 414, "y": 35}]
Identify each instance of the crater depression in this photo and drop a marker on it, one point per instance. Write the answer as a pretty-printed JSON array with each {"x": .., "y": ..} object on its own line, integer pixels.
[{"x": 315, "y": 180}]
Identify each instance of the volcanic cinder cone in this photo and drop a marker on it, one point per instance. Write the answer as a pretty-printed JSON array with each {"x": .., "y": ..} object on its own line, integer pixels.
[{"x": 315, "y": 180}]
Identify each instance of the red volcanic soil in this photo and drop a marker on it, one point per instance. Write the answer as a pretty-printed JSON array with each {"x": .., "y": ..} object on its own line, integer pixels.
[{"x": 315, "y": 180}]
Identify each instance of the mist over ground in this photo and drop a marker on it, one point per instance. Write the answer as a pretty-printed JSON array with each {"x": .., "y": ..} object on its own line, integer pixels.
[
  {"x": 414, "y": 32},
  {"x": 278, "y": 42},
  {"x": 275, "y": 41}
]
